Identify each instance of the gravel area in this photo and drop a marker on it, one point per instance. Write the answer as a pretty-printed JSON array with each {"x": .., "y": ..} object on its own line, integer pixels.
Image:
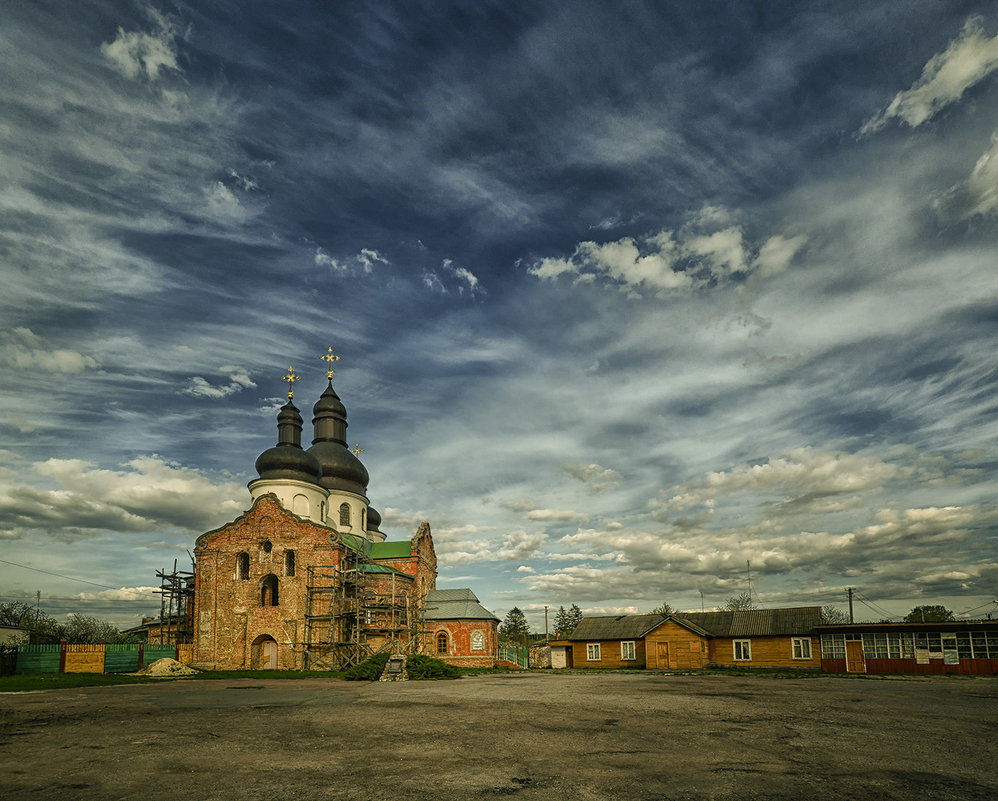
[{"x": 533, "y": 735}]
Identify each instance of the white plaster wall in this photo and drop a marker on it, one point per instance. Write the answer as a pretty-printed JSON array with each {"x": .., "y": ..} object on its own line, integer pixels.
[{"x": 286, "y": 489}]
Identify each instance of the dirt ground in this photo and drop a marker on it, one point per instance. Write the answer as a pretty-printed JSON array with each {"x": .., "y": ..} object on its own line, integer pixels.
[{"x": 533, "y": 735}]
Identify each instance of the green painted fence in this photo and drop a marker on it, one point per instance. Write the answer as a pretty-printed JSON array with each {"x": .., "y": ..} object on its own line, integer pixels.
[
  {"x": 153, "y": 651},
  {"x": 121, "y": 658},
  {"x": 39, "y": 658}
]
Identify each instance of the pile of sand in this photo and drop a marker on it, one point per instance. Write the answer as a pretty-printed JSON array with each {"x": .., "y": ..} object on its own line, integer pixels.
[{"x": 166, "y": 667}]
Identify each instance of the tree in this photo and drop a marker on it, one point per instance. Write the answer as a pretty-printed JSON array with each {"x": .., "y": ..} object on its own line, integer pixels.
[
  {"x": 41, "y": 627},
  {"x": 515, "y": 627},
  {"x": 87, "y": 629},
  {"x": 833, "y": 615},
  {"x": 929, "y": 614},
  {"x": 662, "y": 609},
  {"x": 738, "y": 603},
  {"x": 566, "y": 620}
]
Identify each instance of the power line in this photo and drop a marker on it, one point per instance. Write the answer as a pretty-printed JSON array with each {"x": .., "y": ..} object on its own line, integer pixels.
[
  {"x": 46, "y": 598},
  {"x": 59, "y": 575}
]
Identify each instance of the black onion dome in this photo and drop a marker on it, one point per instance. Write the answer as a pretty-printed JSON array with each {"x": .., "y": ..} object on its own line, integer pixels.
[
  {"x": 373, "y": 519},
  {"x": 287, "y": 459},
  {"x": 341, "y": 469}
]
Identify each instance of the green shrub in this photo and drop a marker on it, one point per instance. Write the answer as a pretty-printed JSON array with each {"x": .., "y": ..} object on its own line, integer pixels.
[
  {"x": 420, "y": 666},
  {"x": 368, "y": 670}
]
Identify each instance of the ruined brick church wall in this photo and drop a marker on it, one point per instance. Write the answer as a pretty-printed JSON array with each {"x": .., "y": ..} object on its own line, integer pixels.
[{"x": 234, "y": 628}]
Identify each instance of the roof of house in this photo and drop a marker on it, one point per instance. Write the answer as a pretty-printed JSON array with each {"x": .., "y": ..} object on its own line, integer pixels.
[
  {"x": 747, "y": 623},
  {"x": 461, "y": 604},
  {"x": 620, "y": 627},
  {"x": 797, "y": 620}
]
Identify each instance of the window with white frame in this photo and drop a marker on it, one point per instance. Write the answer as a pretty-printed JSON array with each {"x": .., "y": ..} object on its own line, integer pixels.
[
  {"x": 801, "y": 647},
  {"x": 743, "y": 650},
  {"x": 627, "y": 651},
  {"x": 477, "y": 641},
  {"x": 592, "y": 652}
]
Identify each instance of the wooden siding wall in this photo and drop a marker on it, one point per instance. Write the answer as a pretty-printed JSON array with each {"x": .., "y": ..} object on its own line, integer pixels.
[
  {"x": 674, "y": 647},
  {"x": 766, "y": 652},
  {"x": 609, "y": 655}
]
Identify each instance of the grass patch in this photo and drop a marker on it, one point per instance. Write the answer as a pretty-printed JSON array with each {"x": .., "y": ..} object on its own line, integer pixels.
[{"x": 24, "y": 682}]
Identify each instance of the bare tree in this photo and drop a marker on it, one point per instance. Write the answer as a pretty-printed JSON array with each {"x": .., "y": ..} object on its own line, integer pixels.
[{"x": 738, "y": 603}]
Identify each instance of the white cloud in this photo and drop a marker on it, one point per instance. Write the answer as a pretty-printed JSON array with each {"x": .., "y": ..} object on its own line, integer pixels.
[
  {"x": 969, "y": 58},
  {"x": 555, "y": 516},
  {"x": 238, "y": 380},
  {"x": 24, "y": 349},
  {"x": 708, "y": 250},
  {"x": 980, "y": 191},
  {"x": 803, "y": 477},
  {"x": 135, "y": 54},
  {"x": 323, "y": 259},
  {"x": 150, "y": 495},
  {"x": 222, "y": 203},
  {"x": 597, "y": 477},
  {"x": 515, "y": 546},
  {"x": 121, "y": 594},
  {"x": 368, "y": 258}
]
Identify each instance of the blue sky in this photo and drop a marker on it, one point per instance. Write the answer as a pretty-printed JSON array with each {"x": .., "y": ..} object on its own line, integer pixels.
[{"x": 627, "y": 296}]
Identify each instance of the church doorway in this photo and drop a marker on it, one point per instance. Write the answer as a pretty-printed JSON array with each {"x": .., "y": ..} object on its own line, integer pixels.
[{"x": 265, "y": 653}]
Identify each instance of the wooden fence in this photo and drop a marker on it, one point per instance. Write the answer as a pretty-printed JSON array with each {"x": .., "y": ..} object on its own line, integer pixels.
[{"x": 104, "y": 658}]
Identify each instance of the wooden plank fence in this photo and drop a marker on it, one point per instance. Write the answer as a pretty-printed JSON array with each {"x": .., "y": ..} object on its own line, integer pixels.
[{"x": 99, "y": 658}]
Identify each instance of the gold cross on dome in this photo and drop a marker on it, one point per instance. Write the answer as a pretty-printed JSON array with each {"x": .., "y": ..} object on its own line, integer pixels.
[
  {"x": 329, "y": 358},
  {"x": 356, "y": 450},
  {"x": 291, "y": 378}
]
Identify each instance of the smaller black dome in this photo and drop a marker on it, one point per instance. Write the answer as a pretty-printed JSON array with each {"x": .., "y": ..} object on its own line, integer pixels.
[
  {"x": 289, "y": 461},
  {"x": 329, "y": 403},
  {"x": 373, "y": 519}
]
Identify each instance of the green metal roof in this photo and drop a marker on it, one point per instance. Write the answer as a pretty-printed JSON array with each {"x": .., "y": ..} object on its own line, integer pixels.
[
  {"x": 382, "y": 569},
  {"x": 390, "y": 550}
]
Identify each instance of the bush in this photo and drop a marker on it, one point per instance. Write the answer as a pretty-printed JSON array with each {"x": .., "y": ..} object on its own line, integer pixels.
[
  {"x": 368, "y": 670},
  {"x": 418, "y": 666}
]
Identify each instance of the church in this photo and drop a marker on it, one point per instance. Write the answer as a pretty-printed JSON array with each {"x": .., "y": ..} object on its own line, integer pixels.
[{"x": 306, "y": 580}]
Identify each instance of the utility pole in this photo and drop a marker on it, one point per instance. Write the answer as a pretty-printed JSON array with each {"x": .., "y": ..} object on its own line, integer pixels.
[
  {"x": 849, "y": 590},
  {"x": 546, "y": 638},
  {"x": 748, "y": 571},
  {"x": 701, "y": 600}
]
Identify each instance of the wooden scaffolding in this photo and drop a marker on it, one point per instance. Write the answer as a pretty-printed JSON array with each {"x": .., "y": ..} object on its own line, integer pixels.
[{"x": 357, "y": 609}]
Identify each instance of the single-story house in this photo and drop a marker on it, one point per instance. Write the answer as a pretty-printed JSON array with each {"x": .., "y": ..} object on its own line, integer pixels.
[
  {"x": 14, "y": 635},
  {"x": 965, "y": 646},
  {"x": 685, "y": 640}
]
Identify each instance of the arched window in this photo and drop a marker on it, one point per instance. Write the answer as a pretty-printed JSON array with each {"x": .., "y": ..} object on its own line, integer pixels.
[
  {"x": 242, "y": 566},
  {"x": 299, "y": 505},
  {"x": 289, "y": 563},
  {"x": 344, "y": 514},
  {"x": 442, "y": 642},
  {"x": 268, "y": 591},
  {"x": 267, "y": 546},
  {"x": 363, "y": 519}
]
